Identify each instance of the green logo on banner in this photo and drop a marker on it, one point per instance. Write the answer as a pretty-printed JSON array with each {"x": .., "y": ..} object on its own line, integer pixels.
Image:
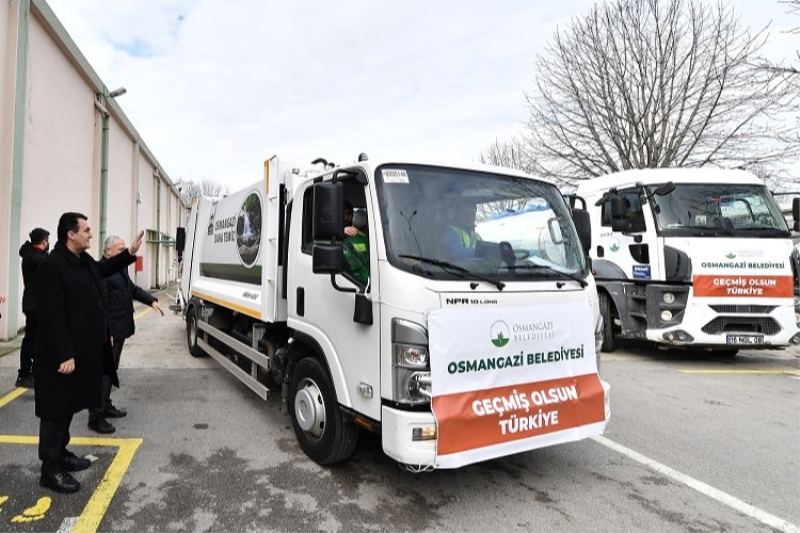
[{"x": 500, "y": 334}]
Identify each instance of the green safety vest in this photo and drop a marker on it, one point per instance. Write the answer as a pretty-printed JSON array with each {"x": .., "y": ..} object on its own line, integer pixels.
[
  {"x": 468, "y": 239},
  {"x": 356, "y": 253}
]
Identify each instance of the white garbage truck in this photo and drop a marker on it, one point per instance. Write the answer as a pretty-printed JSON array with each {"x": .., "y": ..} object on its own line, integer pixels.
[
  {"x": 699, "y": 258},
  {"x": 452, "y": 356}
]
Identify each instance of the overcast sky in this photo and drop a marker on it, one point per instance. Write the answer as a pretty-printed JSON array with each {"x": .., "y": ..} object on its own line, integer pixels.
[{"x": 216, "y": 87}]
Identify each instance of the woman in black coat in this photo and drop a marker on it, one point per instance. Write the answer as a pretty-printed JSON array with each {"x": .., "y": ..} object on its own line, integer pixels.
[{"x": 73, "y": 348}]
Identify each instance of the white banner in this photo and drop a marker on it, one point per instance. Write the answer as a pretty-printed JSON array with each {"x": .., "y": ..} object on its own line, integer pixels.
[{"x": 511, "y": 379}]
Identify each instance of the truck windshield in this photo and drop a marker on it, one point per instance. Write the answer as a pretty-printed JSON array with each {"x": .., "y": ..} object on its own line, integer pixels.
[
  {"x": 718, "y": 209},
  {"x": 448, "y": 223}
]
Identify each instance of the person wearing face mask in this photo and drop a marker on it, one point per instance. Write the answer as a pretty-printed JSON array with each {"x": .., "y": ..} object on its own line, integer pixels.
[{"x": 33, "y": 254}]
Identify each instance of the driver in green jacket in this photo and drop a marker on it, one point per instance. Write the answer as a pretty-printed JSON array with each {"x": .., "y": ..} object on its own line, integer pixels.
[{"x": 356, "y": 247}]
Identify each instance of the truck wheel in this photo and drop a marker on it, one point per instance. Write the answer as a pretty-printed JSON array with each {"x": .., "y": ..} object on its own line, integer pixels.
[
  {"x": 316, "y": 418},
  {"x": 191, "y": 333},
  {"x": 608, "y": 323}
]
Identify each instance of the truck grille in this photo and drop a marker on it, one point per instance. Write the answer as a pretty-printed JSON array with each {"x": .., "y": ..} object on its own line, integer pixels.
[
  {"x": 755, "y": 309},
  {"x": 723, "y": 324}
]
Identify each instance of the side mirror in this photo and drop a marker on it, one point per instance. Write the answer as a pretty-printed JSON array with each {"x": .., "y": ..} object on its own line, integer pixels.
[
  {"x": 796, "y": 213},
  {"x": 362, "y": 312},
  {"x": 620, "y": 224},
  {"x": 327, "y": 259},
  {"x": 618, "y": 207},
  {"x": 328, "y": 219},
  {"x": 583, "y": 224}
]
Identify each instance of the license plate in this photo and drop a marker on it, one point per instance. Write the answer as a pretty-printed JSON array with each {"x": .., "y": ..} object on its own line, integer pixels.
[{"x": 745, "y": 339}]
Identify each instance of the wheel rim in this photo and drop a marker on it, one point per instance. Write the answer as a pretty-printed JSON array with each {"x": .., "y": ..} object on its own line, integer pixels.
[{"x": 309, "y": 408}]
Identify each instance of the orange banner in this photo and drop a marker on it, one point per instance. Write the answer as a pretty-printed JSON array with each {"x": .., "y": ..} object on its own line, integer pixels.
[
  {"x": 475, "y": 419},
  {"x": 751, "y": 286}
]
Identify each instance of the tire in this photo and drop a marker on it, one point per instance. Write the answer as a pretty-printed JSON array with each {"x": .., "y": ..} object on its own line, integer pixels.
[
  {"x": 609, "y": 344},
  {"x": 191, "y": 333},
  {"x": 316, "y": 418}
]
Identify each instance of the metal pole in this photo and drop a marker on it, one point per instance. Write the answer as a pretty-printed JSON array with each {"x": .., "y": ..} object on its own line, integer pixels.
[{"x": 104, "y": 169}]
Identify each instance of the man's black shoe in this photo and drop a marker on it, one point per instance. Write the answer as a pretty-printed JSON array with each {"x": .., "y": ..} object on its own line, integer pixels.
[
  {"x": 101, "y": 425},
  {"x": 25, "y": 381},
  {"x": 73, "y": 463},
  {"x": 59, "y": 482},
  {"x": 113, "y": 412}
]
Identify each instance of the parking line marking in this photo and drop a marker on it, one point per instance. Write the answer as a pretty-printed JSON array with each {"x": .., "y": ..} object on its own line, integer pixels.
[
  {"x": 96, "y": 507},
  {"x": 13, "y": 395},
  {"x": 785, "y": 371},
  {"x": 144, "y": 311},
  {"x": 723, "y": 497},
  {"x": 67, "y": 525}
]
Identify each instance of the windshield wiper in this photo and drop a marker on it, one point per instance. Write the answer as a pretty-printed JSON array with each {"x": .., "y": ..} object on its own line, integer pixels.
[
  {"x": 455, "y": 268},
  {"x": 705, "y": 231},
  {"x": 524, "y": 266},
  {"x": 763, "y": 232}
]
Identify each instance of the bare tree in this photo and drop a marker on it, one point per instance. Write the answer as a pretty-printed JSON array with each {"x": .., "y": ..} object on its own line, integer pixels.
[
  {"x": 794, "y": 9},
  {"x": 659, "y": 83},
  {"x": 190, "y": 189},
  {"x": 509, "y": 154}
]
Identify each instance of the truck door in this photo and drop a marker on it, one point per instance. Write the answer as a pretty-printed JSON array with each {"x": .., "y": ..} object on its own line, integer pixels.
[
  {"x": 322, "y": 306},
  {"x": 634, "y": 249}
]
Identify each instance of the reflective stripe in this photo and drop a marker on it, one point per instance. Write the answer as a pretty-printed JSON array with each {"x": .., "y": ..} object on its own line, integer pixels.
[{"x": 467, "y": 240}]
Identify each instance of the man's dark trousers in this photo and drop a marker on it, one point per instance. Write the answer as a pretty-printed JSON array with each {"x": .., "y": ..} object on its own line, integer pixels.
[
  {"x": 53, "y": 439},
  {"x": 28, "y": 347}
]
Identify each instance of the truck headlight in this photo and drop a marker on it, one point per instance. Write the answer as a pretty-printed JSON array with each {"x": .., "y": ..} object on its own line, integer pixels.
[
  {"x": 419, "y": 386},
  {"x": 410, "y": 355},
  {"x": 411, "y": 365}
]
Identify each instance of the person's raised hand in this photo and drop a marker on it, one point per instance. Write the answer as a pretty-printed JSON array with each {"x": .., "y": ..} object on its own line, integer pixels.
[{"x": 137, "y": 242}]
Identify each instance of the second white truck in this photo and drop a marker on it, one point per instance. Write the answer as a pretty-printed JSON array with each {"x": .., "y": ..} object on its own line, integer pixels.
[
  {"x": 452, "y": 356},
  {"x": 697, "y": 258}
]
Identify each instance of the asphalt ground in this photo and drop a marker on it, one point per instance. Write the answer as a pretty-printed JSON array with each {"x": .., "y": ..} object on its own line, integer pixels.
[{"x": 695, "y": 444}]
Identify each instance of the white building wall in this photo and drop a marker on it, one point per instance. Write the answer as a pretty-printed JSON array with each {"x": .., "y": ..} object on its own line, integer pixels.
[
  {"x": 121, "y": 183},
  {"x": 60, "y": 149},
  {"x": 61, "y": 140},
  {"x": 8, "y": 46}
]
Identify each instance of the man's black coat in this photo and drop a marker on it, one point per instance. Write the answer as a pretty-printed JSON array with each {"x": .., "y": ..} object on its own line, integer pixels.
[
  {"x": 120, "y": 291},
  {"x": 32, "y": 257},
  {"x": 73, "y": 324}
]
